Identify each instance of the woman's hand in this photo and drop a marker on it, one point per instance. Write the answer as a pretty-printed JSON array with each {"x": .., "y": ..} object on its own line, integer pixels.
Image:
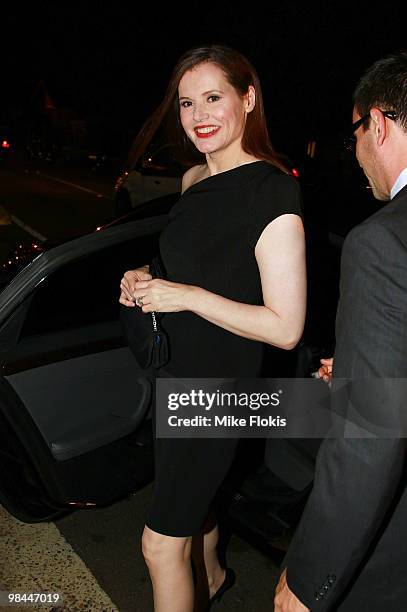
[
  {"x": 128, "y": 284},
  {"x": 162, "y": 295}
]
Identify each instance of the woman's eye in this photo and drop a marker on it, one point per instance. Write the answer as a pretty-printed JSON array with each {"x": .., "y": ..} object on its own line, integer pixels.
[
  {"x": 186, "y": 104},
  {"x": 214, "y": 98}
]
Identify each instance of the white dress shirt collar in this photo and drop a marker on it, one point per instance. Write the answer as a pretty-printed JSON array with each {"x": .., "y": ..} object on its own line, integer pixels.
[{"x": 401, "y": 181}]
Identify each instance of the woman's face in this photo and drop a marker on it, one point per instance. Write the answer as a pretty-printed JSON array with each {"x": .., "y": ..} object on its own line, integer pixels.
[{"x": 212, "y": 113}]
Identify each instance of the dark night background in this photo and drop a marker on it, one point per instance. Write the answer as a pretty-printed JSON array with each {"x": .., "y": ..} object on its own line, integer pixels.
[
  {"x": 108, "y": 63},
  {"x": 81, "y": 78}
]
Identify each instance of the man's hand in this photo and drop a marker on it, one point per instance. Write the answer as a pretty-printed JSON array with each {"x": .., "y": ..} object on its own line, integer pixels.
[
  {"x": 285, "y": 600},
  {"x": 325, "y": 371}
]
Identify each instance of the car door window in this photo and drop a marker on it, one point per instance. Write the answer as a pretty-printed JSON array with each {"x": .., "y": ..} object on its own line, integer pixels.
[{"x": 75, "y": 307}]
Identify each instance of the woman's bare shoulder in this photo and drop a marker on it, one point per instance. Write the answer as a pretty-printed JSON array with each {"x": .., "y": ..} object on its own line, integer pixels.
[{"x": 194, "y": 175}]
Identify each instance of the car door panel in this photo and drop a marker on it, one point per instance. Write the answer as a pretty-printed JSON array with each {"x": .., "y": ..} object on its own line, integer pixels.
[{"x": 71, "y": 416}]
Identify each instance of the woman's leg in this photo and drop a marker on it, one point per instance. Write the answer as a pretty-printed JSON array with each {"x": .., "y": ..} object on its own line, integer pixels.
[
  {"x": 214, "y": 572},
  {"x": 208, "y": 573},
  {"x": 205, "y": 556},
  {"x": 169, "y": 562}
]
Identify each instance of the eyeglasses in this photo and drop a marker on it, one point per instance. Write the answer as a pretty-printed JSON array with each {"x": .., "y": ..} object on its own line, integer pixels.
[{"x": 350, "y": 141}]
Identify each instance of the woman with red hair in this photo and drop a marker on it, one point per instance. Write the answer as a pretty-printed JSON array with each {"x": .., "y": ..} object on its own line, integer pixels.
[{"x": 234, "y": 254}]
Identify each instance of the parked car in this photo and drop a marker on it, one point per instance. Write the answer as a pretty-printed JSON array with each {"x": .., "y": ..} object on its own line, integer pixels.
[{"x": 157, "y": 174}]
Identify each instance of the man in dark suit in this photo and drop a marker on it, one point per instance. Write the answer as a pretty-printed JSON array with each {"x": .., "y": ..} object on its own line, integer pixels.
[{"x": 349, "y": 553}]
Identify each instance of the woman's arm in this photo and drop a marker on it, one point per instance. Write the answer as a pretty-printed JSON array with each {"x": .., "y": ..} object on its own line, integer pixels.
[{"x": 280, "y": 255}]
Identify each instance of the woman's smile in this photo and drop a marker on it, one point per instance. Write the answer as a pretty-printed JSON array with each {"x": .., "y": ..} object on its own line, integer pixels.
[{"x": 206, "y": 131}]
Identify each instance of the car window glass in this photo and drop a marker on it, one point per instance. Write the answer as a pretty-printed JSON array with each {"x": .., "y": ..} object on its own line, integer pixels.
[
  {"x": 162, "y": 162},
  {"x": 86, "y": 292}
]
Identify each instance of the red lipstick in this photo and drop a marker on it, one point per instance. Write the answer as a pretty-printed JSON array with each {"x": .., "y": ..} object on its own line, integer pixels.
[{"x": 209, "y": 130}]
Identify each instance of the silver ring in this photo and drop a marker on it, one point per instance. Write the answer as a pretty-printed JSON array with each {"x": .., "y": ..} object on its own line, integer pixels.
[{"x": 139, "y": 301}]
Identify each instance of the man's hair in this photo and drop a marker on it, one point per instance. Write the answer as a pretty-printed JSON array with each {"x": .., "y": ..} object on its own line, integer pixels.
[{"x": 384, "y": 85}]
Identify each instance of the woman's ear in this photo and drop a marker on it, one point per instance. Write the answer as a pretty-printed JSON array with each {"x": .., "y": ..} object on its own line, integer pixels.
[{"x": 250, "y": 101}]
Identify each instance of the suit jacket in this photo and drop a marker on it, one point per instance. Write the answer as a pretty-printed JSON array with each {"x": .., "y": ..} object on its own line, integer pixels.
[{"x": 349, "y": 552}]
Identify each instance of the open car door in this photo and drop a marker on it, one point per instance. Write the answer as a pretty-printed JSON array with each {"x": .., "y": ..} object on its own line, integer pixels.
[{"x": 74, "y": 406}]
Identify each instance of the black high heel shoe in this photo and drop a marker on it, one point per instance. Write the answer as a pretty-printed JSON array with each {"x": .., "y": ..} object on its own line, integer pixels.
[{"x": 230, "y": 579}]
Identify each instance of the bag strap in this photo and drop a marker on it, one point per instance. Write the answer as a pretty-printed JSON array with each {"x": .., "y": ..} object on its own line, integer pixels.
[{"x": 156, "y": 269}]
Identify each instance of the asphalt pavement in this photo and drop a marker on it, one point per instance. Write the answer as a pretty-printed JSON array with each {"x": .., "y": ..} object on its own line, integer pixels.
[
  {"x": 108, "y": 541},
  {"x": 44, "y": 202},
  {"x": 91, "y": 559}
]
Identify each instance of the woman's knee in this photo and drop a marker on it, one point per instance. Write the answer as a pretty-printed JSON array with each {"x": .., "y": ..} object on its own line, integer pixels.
[{"x": 159, "y": 549}]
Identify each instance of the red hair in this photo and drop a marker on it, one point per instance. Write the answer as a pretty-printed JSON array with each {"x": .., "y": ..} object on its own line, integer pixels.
[{"x": 240, "y": 74}]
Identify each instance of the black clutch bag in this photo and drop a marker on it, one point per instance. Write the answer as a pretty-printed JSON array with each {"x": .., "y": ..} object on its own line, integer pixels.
[{"x": 143, "y": 331}]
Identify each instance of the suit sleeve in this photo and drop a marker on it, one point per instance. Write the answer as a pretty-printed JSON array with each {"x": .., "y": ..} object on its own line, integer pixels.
[{"x": 356, "y": 478}]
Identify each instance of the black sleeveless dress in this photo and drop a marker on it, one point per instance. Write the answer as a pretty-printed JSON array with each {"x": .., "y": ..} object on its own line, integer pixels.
[{"x": 210, "y": 242}]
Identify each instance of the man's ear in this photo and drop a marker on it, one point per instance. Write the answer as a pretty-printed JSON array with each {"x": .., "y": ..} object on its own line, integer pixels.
[
  {"x": 250, "y": 101},
  {"x": 378, "y": 125}
]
